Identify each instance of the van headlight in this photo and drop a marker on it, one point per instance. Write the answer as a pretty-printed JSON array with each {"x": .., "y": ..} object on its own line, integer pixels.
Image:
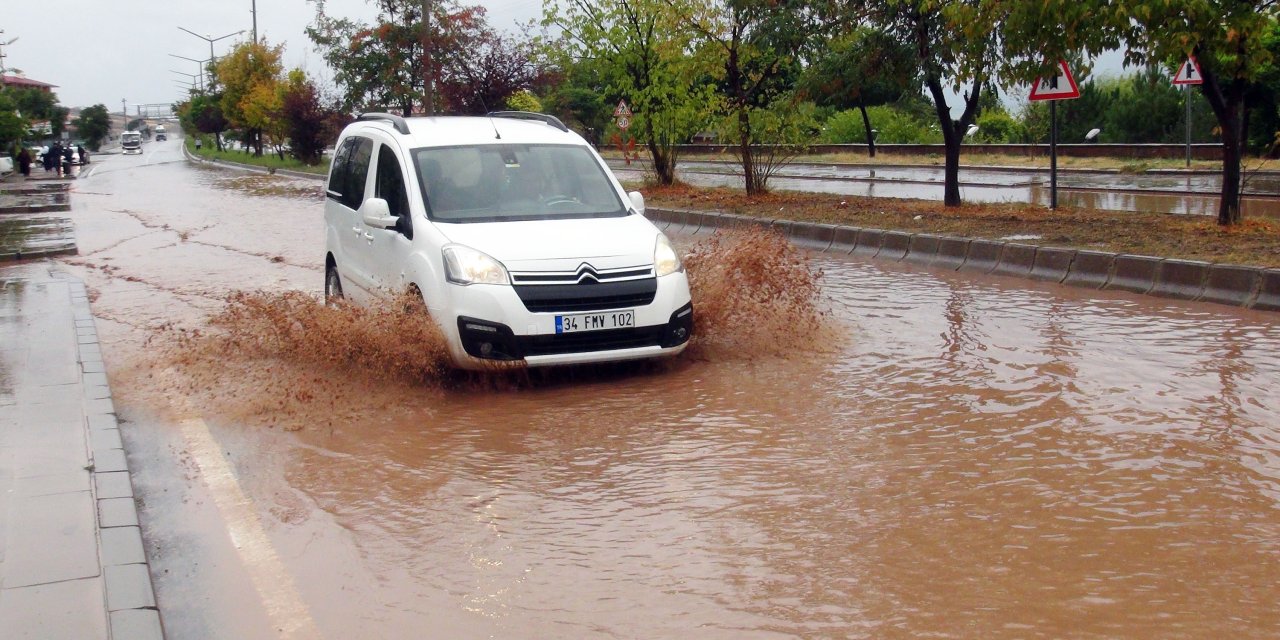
[
  {"x": 464, "y": 265},
  {"x": 665, "y": 259}
]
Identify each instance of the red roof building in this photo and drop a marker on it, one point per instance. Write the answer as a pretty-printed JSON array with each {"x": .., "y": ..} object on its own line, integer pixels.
[{"x": 19, "y": 81}]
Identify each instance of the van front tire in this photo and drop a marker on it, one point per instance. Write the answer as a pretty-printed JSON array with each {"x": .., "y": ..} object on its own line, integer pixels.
[{"x": 332, "y": 285}]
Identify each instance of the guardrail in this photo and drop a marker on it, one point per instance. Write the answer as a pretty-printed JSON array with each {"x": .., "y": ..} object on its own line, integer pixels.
[{"x": 1200, "y": 151}]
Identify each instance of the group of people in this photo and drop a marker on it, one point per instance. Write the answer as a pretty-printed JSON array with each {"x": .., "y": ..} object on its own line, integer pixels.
[{"x": 56, "y": 158}]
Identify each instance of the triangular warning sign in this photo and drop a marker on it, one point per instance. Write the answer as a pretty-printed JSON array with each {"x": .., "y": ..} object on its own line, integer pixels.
[
  {"x": 1059, "y": 87},
  {"x": 1188, "y": 73}
]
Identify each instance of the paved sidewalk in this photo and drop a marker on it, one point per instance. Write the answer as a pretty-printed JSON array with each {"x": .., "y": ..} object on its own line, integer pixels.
[{"x": 72, "y": 562}]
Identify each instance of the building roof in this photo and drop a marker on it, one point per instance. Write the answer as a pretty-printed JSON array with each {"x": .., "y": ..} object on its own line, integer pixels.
[{"x": 25, "y": 82}]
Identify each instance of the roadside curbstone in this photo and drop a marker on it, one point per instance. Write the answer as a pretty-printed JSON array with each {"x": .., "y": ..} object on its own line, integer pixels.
[
  {"x": 951, "y": 253},
  {"x": 815, "y": 236},
  {"x": 1136, "y": 274},
  {"x": 983, "y": 255},
  {"x": 894, "y": 245},
  {"x": 1182, "y": 279},
  {"x": 1090, "y": 269},
  {"x": 782, "y": 226},
  {"x": 1269, "y": 291},
  {"x": 844, "y": 239},
  {"x": 1231, "y": 284},
  {"x": 1016, "y": 260},
  {"x": 1052, "y": 263},
  {"x": 868, "y": 243},
  {"x": 129, "y": 587},
  {"x": 922, "y": 248}
]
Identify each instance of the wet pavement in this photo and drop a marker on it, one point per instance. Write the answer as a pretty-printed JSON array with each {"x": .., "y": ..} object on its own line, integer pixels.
[
  {"x": 958, "y": 455},
  {"x": 72, "y": 563},
  {"x": 1190, "y": 193}
]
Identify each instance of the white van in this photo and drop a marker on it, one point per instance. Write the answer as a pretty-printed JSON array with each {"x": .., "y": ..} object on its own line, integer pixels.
[
  {"x": 160, "y": 133},
  {"x": 522, "y": 243}
]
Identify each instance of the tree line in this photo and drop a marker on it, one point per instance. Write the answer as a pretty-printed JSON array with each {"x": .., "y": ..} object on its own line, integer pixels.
[{"x": 770, "y": 76}]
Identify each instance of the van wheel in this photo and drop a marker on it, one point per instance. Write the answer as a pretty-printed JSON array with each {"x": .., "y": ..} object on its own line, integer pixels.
[{"x": 332, "y": 285}]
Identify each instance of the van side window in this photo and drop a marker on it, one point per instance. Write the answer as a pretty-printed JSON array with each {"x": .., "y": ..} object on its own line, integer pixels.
[
  {"x": 389, "y": 184},
  {"x": 338, "y": 174},
  {"x": 357, "y": 173}
]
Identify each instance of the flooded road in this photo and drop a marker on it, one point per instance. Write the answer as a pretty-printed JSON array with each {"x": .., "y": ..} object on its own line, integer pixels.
[
  {"x": 964, "y": 456},
  {"x": 1186, "y": 194}
]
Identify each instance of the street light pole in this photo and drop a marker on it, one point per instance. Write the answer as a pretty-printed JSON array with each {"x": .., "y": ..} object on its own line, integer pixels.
[
  {"x": 254, "y": 10},
  {"x": 212, "y": 59},
  {"x": 199, "y": 65},
  {"x": 429, "y": 90}
]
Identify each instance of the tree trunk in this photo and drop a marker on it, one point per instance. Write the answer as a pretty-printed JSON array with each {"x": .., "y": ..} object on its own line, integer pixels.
[
  {"x": 866, "y": 124},
  {"x": 951, "y": 140},
  {"x": 664, "y": 157},
  {"x": 744, "y": 148},
  {"x": 1232, "y": 151},
  {"x": 1227, "y": 100}
]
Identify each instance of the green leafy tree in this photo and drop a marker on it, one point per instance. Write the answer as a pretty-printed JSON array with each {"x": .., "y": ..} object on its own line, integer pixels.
[
  {"x": 579, "y": 100},
  {"x": 643, "y": 57},
  {"x": 858, "y": 69},
  {"x": 203, "y": 114},
  {"x": 12, "y": 126},
  {"x": 1227, "y": 37},
  {"x": 94, "y": 126},
  {"x": 524, "y": 101},
  {"x": 757, "y": 47},
  {"x": 954, "y": 42}
]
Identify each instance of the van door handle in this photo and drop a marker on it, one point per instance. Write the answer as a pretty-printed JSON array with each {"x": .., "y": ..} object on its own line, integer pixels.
[
  {"x": 355, "y": 230},
  {"x": 368, "y": 236}
]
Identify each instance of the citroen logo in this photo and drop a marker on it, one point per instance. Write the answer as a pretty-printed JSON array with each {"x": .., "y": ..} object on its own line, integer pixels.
[{"x": 585, "y": 272}]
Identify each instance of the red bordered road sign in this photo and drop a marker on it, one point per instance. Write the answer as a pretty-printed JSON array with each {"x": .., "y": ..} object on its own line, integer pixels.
[
  {"x": 1188, "y": 73},
  {"x": 1060, "y": 87}
]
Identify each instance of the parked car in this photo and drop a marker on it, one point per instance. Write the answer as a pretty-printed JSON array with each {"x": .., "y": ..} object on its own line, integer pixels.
[
  {"x": 521, "y": 242},
  {"x": 6, "y": 165}
]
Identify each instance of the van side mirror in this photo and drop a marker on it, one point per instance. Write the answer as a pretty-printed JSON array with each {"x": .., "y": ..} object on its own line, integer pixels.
[
  {"x": 637, "y": 201},
  {"x": 376, "y": 213}
]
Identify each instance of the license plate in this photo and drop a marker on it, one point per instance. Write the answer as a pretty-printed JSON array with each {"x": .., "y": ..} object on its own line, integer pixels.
[{"x": 596, "y": 321}]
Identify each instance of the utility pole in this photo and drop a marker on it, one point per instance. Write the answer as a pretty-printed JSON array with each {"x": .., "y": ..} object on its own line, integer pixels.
[
  {"x": 254, "y": 11},
  {"x": 429, "y": 91}
]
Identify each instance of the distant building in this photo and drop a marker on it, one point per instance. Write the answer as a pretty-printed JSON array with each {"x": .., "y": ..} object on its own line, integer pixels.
[{"x": 26, "y": 83}]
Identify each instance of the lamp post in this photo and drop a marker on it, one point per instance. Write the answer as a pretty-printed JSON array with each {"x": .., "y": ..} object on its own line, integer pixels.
[
  {"x": 211, "y": 41},
  {"x": 199, "y": 65}
]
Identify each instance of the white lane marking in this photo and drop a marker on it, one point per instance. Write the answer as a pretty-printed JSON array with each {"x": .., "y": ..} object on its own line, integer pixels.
[{"x": 285, "y": 609}]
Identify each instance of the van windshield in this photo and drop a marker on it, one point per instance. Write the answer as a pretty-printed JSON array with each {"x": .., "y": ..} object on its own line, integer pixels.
[{"x": 507, "y": 182}]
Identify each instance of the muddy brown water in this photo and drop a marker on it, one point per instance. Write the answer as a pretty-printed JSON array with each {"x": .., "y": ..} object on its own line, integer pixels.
[{"x": 965, "y": 456}]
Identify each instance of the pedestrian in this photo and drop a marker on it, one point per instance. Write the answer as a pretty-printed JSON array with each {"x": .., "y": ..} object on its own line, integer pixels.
[
  {"x": 84, "y": 155},
  {"x": 66, "y": 161},
  {"x": 54, "y": 157},
  {"x": 24, "y": 162}
]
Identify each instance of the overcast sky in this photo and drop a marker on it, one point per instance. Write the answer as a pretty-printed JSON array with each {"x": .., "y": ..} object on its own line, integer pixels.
[{"x": 102, "y": 51}]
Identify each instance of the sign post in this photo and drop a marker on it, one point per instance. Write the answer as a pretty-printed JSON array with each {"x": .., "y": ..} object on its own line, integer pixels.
[
  {"x": 1059, "y": 87},
  {"x": 1188, "y": 75},
  {"x": 622, "y": 117}
]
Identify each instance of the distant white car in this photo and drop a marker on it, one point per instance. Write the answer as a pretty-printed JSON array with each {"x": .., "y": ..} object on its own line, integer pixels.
[
  {"x": 6, "y": 165},
  {"x": 522, "y": 243}
]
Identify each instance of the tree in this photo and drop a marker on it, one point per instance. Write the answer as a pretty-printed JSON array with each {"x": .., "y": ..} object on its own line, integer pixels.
[
  {"x": 497, "y": 69},
  {"x": 757, "y": 47},
  {"x": 201, "y": 113},
  {"x": 953, "y": 41},
  {"x": 1227, "y": 37},
  {"x": 860, "y": 68},
  {"x": 642, "y": 56},
  {"x": 94, "y": 126},
  {"x": 12, "y": 126},
  {"x": 306, "y": 120},
  {"x": 392, "y": 63},
  {"x": 248, "y": 74}
]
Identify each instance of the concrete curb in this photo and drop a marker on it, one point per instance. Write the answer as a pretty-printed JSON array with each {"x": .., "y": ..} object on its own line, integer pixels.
[
  {"x": 1234, "y": 285},
  {"x": 129, "y": 594}
]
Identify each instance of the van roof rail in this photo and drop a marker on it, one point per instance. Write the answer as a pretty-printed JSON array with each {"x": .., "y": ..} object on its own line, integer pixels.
[
  {"x": 395, "y": 120},
  {"x": 529, "y": 115}
]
